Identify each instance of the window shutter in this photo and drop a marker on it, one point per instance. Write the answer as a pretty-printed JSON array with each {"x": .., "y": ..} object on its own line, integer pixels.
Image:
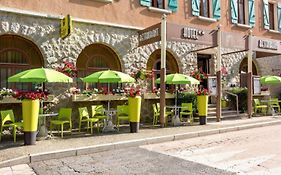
[
  {"x": 279, "y": 16},
  {"x": 216, "y": 9},
  {"x": 195, "y": 7},
  {"x": 146, "y": 2},
  {"x": 173, "y": 5},
  {"x": 265, "y": 14},
  {"x": 252, "y": 17},
  {"x": 234, "y": 11}
]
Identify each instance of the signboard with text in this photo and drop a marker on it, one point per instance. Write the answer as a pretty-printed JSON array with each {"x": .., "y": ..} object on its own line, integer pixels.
[
  {"x": 65, "y": 26},
  {"x": 212, "y": 85},
  {"x": 256, "y": 85},
  {"x": 150, "y": 35}
]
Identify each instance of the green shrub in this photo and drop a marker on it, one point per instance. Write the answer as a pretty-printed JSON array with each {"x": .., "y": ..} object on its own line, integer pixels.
[
  {"x": 187, "y": 97},
  {"x": 242, "y": 98}
]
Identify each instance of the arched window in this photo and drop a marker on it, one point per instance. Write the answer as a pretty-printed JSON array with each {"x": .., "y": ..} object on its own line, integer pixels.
[
  {"x": 17, "y": 54},
  {"x": 243, "y": 68},
  {"x": 96, "y": 57},
  {"x": 154, "y": 63}
]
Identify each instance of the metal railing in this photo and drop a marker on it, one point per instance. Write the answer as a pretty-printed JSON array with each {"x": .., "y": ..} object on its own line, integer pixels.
[{"x": 236, "y": 96}]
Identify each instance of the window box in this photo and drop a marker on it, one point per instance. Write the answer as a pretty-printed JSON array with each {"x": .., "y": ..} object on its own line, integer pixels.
[
  {"x": 97, "y": 97},
  {"x": 154, "y": 96},
  {"x": 9, "y": 99}
]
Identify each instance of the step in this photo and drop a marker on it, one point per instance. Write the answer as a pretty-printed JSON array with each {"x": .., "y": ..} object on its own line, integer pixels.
[{"x": 226, "y": 112}]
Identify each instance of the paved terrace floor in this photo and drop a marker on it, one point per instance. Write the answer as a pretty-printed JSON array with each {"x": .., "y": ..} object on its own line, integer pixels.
[{"x": 10, "y": 150}]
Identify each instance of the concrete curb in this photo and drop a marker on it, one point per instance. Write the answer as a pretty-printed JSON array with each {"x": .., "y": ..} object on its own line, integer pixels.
[{"x": 129, "y": 143}]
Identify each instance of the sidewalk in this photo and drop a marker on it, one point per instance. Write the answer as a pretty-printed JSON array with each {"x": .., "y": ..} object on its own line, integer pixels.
[{"x": 72, "y": 145}]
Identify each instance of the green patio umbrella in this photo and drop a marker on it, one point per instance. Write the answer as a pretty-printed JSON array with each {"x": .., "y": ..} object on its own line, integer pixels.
[
  {"x": 108, "y": 76},
  {"x": 40, "y": 75},
  {"x": 270, "y": 80},
  {"x": 179, "y": 79}
]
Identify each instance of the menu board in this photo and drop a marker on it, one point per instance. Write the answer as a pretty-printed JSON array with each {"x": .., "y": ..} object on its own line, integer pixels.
[
  {"x": 212, "y": 85},
  {"x": 256, "y": 85}
]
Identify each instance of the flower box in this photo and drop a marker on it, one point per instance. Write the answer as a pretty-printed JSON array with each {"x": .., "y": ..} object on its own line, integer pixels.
[
  {"x": 9, "y": 99},
  {"x": 154, "y": 96},
  {"x": 97, "y": 97}
]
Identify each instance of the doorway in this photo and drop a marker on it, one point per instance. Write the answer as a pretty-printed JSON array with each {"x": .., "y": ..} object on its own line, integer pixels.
[{"x": 203, "y": 63}]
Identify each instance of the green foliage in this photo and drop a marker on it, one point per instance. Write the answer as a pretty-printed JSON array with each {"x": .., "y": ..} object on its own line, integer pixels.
[
  {"x": 242, "y": 98},
  {"x": 187, "y": 97}
]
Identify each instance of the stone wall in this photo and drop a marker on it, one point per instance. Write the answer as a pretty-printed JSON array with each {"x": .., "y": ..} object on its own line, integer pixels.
[{"x": 44, "y": 32}]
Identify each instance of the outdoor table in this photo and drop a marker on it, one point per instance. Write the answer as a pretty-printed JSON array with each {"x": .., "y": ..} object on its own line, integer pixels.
[
  {"x": 175, "y": 120},
  {"x": 42, "y": 129},
  {"x": 108, "y": 124}
]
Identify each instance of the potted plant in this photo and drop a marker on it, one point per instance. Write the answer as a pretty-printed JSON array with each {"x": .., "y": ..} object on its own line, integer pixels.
[
  {"x": 30, "y": 112},
  {"x": 202, "y": 105},
  {"x": 134, "y": 101}
]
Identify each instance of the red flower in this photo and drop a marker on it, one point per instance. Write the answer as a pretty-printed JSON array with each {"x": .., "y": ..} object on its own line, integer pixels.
[
  {"x": 69, "y": 69},
  {"x": 202, "y": 91},
  {"x": 30, "y": 95}
]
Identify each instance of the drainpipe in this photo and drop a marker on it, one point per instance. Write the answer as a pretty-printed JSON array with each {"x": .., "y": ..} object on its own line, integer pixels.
[{"x": 163, "y": 71}]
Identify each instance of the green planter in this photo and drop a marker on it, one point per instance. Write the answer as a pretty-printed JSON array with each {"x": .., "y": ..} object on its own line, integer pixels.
[
  {"x": 134, "y": 113},
  {"x": 223, "y": 103},
  {"x": 30, "y": 111},
  {"x": 202, "y": 105}
]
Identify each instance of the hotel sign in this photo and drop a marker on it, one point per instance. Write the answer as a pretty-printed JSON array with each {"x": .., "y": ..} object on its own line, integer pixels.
[
  {"x": 191, "y": 33},
  {"x": 150, "y": 35},
  {"x": 264, "y": 44},
  {"x": 265, "y": 47},
  {"x": 65, "y": 26}
]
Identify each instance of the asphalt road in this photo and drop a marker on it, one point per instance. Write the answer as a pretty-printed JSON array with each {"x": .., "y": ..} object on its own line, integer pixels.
[
  {"x": 124, "y": 161},
  {"x": 254, "y": 151}
]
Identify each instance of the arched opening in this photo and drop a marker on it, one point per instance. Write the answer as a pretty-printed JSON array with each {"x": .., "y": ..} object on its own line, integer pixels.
[
  {"x": 154, "y": 64},
  {"x": 94, "y": 58},
  {"x": 17, "y": 54},
  {"x": 243, "y": 68}
]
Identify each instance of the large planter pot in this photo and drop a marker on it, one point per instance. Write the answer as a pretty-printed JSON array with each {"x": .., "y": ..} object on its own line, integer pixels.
[
  {"x": 223, "y": 103},
  {"x": 134, "y": 113},
  {"x": 202, "y": 105},
  {"x": 30, "y": 111}
]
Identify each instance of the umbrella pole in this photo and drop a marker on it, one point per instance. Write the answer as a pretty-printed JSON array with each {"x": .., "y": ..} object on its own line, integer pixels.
[{"x": 108, "y": 103}]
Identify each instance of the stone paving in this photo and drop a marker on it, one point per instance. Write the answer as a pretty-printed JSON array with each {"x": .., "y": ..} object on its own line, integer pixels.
[{"x": 22, "y": 169}]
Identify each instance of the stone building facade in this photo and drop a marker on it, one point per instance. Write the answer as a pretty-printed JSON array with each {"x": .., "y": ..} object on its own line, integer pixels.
[{"x": 43, "y": 29}]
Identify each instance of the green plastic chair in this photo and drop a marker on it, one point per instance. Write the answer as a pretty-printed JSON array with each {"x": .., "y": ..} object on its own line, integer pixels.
[
  {"x": 169, "y": 113},
  {"x": 258, "y": 107},
  {"x": 156, "y": 114},
  {"x": 275, "y": 104},
  {"x": 85, "y": 117},
  {"x": 122, "y": 114},
  {"x": 8, "y": 120},
  {"x": 187, "y": 110},
  {"x": 64, "y": 117},
  {"x": 98, "y": 112}
]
